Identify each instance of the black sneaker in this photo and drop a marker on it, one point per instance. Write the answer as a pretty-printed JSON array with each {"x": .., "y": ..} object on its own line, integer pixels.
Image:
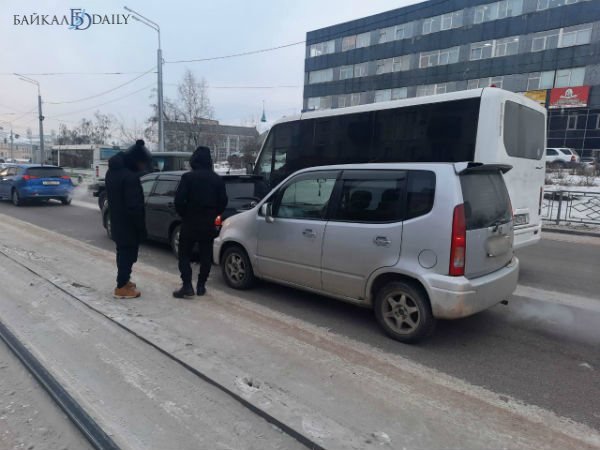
[
  {"x": 186, "y": 291},
  {"x": 200, "y": 290}
]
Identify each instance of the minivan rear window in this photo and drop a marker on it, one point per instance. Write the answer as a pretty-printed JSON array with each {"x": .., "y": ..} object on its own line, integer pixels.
[
  {"x": 486, "y": 199},
  {"x": 46, "y": 172}
]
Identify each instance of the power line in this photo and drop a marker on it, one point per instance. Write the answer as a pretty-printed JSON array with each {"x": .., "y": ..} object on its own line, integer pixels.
[
  {"x": 104, "y": 92},
  {"x": 102, "y": 104},
  {"x": 282, "y": 86},
  {"x": 235, "y": 55},
  {"x": 72, "y": 73}
]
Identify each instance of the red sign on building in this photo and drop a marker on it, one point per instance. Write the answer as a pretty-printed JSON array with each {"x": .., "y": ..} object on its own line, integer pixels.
[{"x": 571, "y": 97}]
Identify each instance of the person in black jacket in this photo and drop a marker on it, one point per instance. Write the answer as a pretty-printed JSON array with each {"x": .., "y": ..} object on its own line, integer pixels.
[
  {"x": 199, "y": 199},
  {"x": 127, "y": 213}
]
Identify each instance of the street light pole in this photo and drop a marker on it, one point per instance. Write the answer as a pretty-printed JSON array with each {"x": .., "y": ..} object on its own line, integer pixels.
[
  {"x": 159, "y": 64},
  {"x": 40, "y": 115}
]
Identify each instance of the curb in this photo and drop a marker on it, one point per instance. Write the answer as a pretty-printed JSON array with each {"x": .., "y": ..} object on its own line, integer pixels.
[{"x": 574, "y": 232}]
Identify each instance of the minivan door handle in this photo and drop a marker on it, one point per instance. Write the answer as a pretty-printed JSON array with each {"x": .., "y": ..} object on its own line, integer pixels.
[
  {"x": 309, "y": 233},
  {"x": 382, "y": 241}
]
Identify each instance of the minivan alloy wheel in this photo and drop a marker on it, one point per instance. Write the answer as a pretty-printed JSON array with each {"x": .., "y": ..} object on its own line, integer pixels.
[
  {"x": 235, "y": 267},
  {"x": 401, "y": 313}
]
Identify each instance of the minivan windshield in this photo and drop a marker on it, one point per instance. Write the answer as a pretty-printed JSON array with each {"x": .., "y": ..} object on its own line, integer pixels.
[
  {"x": 46, "y": 172},
  {"x": 486, "y": 199}
]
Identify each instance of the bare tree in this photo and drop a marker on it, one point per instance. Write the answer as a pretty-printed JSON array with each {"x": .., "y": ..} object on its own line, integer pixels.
[
  {"x": 192, "y": 99},
  {"x": 132, "y": 133},
  {"x": 97, "y": 130}
]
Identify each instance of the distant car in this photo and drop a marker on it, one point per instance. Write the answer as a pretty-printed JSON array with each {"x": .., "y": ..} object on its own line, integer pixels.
[
  {"x": 589, "y": 163},
  {"x": 562, "y": 157},
  {"x": 163, "y": 223},
  {"x": 21, "y": 182}
]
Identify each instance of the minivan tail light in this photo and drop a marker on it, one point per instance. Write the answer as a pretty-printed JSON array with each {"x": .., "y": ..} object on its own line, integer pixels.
[
  {"x": 540, "y": 204},
  {"x": 65, "y": 177},
  {"x": 218, "y": 221},
  {"x": 572, "y": 158},
  {"x": 29, "y": 177},
  {"x": 458, "y": 247}
]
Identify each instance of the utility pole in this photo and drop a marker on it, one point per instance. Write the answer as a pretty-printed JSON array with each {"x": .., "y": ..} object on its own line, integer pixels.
[
  {"x": 159, "y": 64},
  {"x": 12, "y": 156},
  {"x": 40, "y": 115}
]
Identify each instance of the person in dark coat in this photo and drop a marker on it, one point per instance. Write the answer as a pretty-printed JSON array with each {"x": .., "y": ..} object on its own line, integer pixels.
[
  {"x": 199, "y": 199},
  {"x": 126, "y": 209}
]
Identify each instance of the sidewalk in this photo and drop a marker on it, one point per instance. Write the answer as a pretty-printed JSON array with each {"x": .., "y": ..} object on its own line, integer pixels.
[{"x": 338, "y": 392}]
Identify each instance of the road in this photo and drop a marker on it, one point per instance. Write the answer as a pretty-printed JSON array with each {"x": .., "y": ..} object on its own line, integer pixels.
[
  {"x": 28, "y": 417},
  {"x": 543, "y": 353}
]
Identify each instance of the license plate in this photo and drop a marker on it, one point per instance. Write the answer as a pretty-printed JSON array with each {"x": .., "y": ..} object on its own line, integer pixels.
[
  {"x": 50, "y": 183},
  {"x": 521, "y": 219}
]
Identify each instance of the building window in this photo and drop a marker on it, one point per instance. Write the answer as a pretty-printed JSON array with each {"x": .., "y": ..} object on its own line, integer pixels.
[
  {"x": 482, "y": 50},
  {"x": 399, "y": 93},
  {"x": 545, "y": 40},
  {"x": 361, "y": 70},
  {"x": 383, "y": 95},
  {"x": 572, "y": 122},
  {"x": 485, "y": 82},
  {"x": 401, "y": 63},
  {"x": 494, "y": 48},
  {"x": 569, "y": 77},
  {"x": 438, "y": 88},
  {"x": 473, "y": 84},
  {"x": 363, "y": 40},
  {"x": 545, "y": 4},
  {"x": 498, "y": 10},
  {"x": 575, "y": 36},
  {"x": 320, "y": 76},
  {"x": 386, "y": 35},
  {"x": 322, "y": 48},
  {"x": 319, "y": 103},
  {"x": 345, "y": 100},
  {"x": 540, "y": 80},
  {"x": 443, "y": 22},
  {"x": 401, "y": 32},
  {"x": 507, "y": 46},
  {"x": 439, "y": 57},
  {"x": 348, "y": 43},
  {"x": 346, "y": 72},
  {"x": 384, "y": 66}
]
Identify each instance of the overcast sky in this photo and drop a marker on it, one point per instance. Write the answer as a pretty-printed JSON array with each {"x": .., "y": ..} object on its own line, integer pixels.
[{"x": 190, "y": 29}]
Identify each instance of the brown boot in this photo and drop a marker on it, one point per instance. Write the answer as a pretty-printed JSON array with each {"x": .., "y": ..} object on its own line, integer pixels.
[
  {"x": 126, "y": 292},
  {"x": 131, "y": 285}
]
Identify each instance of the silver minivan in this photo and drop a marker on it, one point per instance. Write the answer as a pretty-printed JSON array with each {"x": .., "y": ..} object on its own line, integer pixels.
[{"x": 415, "y": 242}]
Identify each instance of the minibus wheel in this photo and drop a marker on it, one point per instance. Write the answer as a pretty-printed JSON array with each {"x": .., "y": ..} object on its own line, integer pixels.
[
  {"x": 236, "y": 268},
  {"x": 402, "y": 309}
]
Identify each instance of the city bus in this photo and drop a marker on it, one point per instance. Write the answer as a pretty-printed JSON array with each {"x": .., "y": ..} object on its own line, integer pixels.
[{"x": 488, "y": 125}]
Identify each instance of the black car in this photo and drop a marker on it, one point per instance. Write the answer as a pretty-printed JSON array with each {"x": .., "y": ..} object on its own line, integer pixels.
[
  {"x": 163, "y": 223},
  {"x": 161, "y": 161}
]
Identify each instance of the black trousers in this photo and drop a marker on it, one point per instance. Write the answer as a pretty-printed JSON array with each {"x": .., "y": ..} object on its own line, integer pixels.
[
  {"x": 126, "y": 257},
  {"x": 186, "y": 247}
]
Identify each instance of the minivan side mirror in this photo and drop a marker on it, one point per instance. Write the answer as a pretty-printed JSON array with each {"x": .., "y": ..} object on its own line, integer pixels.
[{"x": 267, "y": 210}]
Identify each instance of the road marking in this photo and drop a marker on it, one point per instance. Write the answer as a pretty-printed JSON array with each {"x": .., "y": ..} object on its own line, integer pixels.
[
  {"x": 559, "y": 298},
  {"x": 82, "y": 204}
]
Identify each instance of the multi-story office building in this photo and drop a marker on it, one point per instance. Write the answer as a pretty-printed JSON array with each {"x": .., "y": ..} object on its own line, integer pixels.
[{"x": 547, "y": 49}]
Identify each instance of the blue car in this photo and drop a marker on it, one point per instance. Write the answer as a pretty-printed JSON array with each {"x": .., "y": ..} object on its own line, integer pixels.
[{"x": 20, "y": 182}]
